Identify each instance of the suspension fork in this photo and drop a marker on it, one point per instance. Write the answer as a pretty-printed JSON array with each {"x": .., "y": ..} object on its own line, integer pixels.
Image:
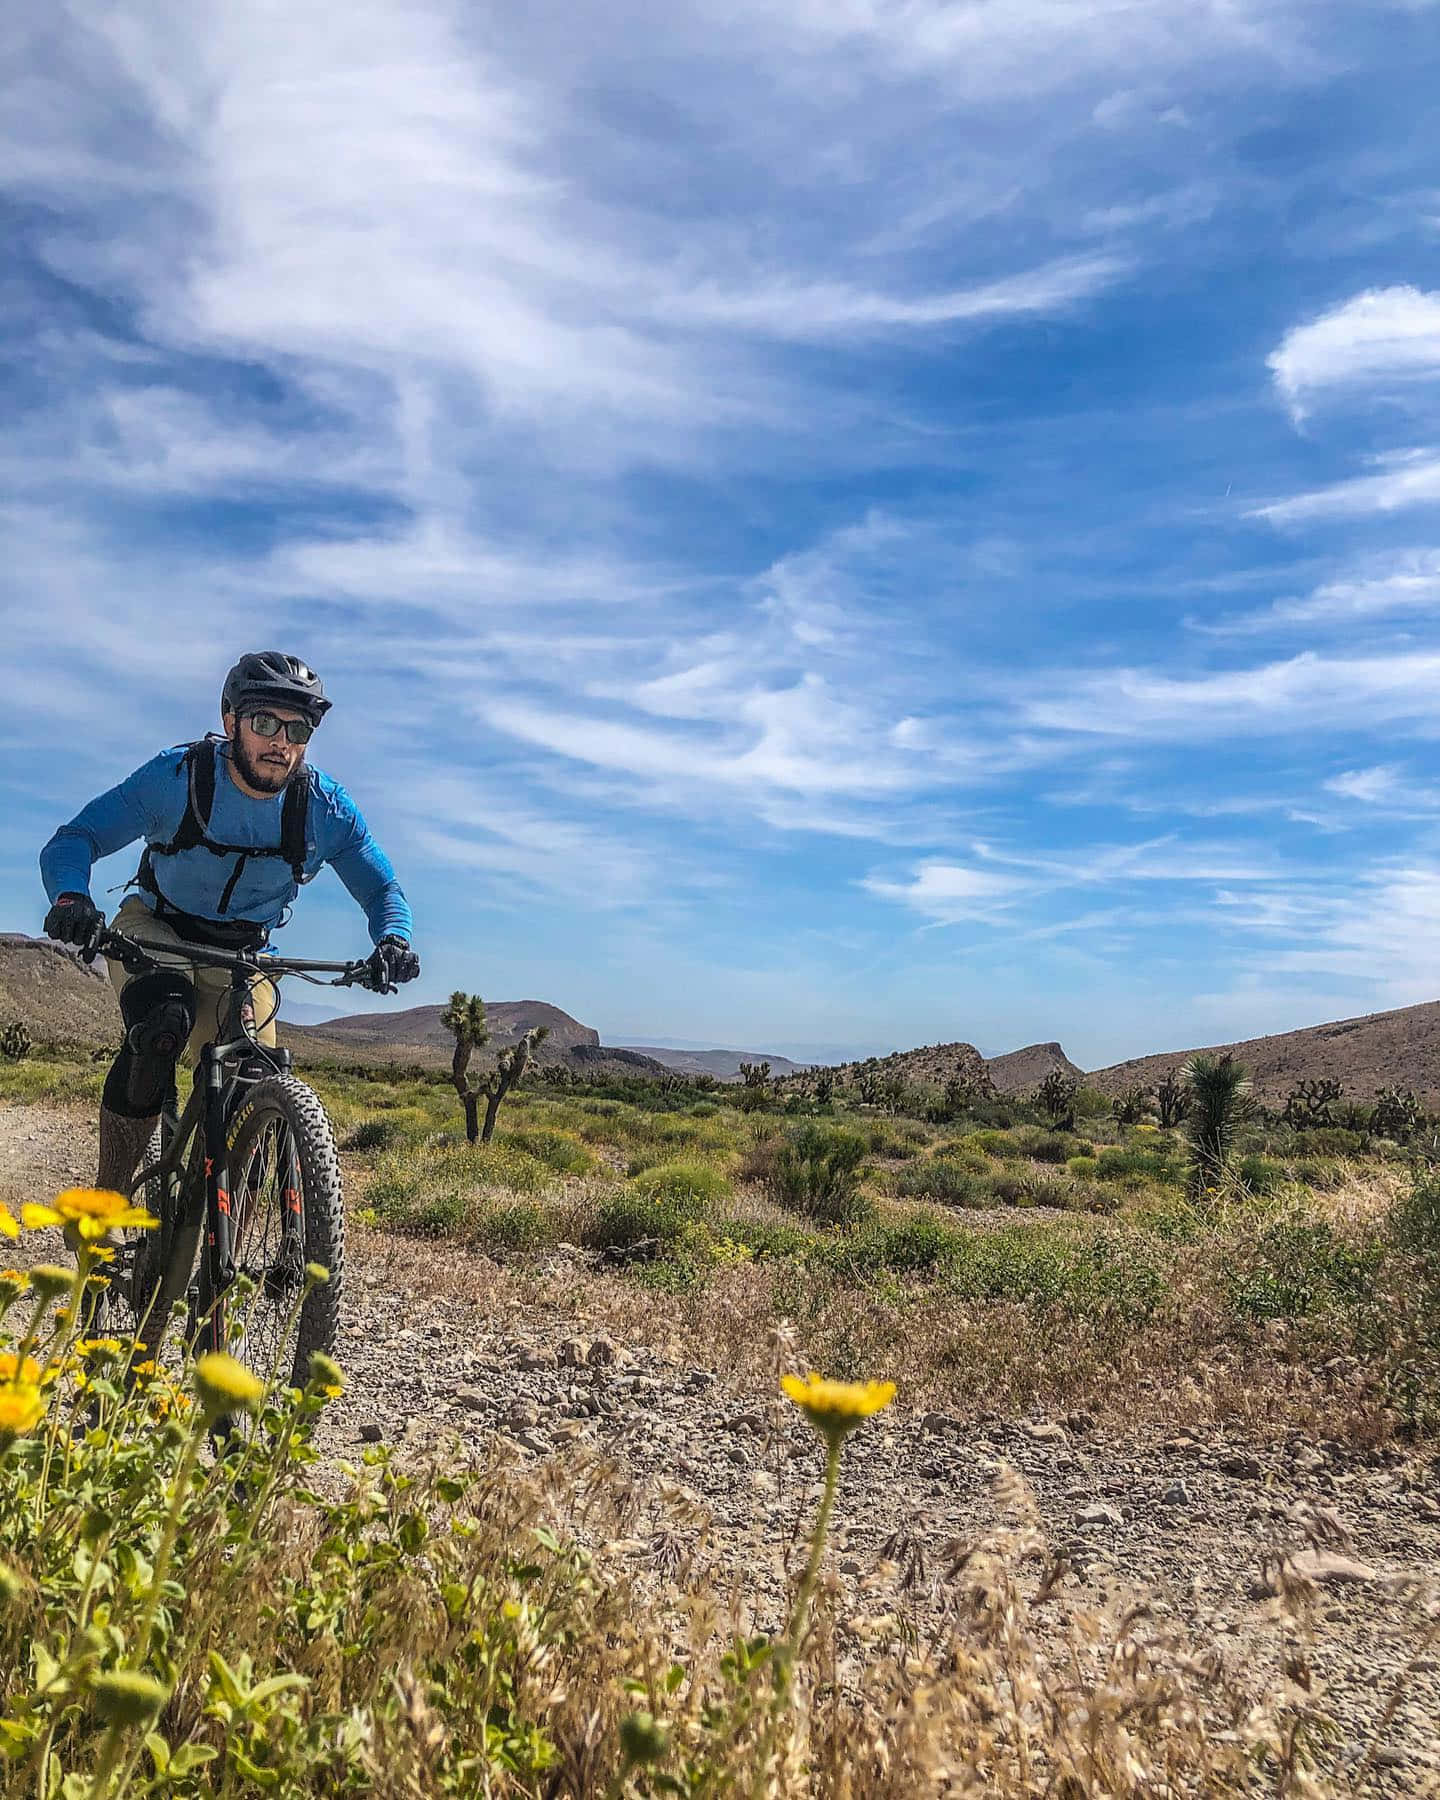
[{"x": 219, "y": 1233}]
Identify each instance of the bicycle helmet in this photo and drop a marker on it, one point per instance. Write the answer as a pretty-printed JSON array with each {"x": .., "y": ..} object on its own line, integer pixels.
[{"x": 282, "y": 680}]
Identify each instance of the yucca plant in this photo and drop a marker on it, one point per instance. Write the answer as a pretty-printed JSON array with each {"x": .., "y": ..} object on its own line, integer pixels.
[{"x": 1220, "y": 1102}]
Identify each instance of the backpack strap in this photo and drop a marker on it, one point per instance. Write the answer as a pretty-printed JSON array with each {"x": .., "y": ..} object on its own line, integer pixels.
[
  {"x": 199, "y": 766},
  {"x": 294, "y": 823}
]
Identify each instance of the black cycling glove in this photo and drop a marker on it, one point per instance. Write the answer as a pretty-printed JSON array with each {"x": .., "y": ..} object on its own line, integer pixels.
[
  {"x": 391, "y": 962},
  {"x": 74, "y": 919}
]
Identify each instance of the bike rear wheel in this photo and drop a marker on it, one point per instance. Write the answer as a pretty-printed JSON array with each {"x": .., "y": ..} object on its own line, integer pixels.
[{"x": 287, "y": 1210}]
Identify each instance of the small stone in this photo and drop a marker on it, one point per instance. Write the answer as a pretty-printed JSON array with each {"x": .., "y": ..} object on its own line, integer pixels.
[
  {"x": 698, "y": 1380},
  {"x": 849, "y": 1566},
  {"x": 1177, "y": 1494},
  {"x": 371, "y": 1432},
  {"x": 573, "y": 1353},
  {"x": 531, "y": 1441},
  {"x": 939, "y": 1421},
  {"x": 1045, "y": 1431},
  {"x": 1100, "y": 1514},
  {"x": 1245, "y": 1468},
  {"x": 473, "y": 1399},
  {"x": 602, "y": 1354}
]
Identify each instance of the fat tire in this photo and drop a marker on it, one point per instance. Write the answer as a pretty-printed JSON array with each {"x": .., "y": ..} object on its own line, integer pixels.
[{"x": 322, "y": 1199}]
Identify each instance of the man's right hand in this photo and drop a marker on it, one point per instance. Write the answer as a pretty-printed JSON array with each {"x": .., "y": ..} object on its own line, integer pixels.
[{"x": 75, "y": 919}]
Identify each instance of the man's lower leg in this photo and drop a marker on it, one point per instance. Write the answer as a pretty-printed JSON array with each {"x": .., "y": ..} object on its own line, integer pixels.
[{"x": 122, "y": 1144}]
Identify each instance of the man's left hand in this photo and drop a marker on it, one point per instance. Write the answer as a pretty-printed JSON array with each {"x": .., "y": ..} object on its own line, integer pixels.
[{"x": 391, "y": 962}]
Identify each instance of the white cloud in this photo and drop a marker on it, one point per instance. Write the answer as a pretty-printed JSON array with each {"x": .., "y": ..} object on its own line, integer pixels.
[
  {"x": 1304, "y": 692},
  {"x": 1384, "y": 334},
  {"x": 1396, "y": 585},
  {"x": 950, "y": 893},
  {"x": 1405, "y": 478}
]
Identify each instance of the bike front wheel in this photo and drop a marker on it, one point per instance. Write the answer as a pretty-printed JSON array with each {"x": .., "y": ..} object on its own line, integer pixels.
[{"x": 287, "y": 1210}]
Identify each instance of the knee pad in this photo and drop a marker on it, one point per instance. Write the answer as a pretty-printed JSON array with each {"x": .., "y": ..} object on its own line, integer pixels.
[{"x": 159, "y": 1014}]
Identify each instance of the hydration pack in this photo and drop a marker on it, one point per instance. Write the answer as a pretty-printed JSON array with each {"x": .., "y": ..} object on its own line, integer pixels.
[{"x": 193, "y": 832}]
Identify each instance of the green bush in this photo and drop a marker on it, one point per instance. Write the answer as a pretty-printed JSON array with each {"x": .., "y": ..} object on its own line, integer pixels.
[
  {"x": 815, "y": 1171},
  {"x": 1084, "y": 1168},
  {"x": 996, "y": 1143},
  {"x": 628, "y": 1217},
  {"x": 1132, "y": 1165},
  {"x": 522, "y": 1227},
  {"x": 556, "y": 1149},
  {"x": 690, "y": 1185},
  {"x": 1046, "y": 1146},
  {"x": 921, "y": 1244},
  {"x": 940, "y": 1179},
  {"x": 1296, "y": 1267},
  {"x": 1415, "y": 1215},
  {"x": 1259, "y": 1174},
  {"x": 1101, "y": 1275}
]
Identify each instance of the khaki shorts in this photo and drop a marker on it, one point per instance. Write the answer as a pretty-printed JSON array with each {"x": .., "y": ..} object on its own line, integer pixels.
[{"x": 212, "y": 986}]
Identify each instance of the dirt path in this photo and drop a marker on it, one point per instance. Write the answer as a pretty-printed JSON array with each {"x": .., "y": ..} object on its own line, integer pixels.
[{"x": 1188, "y": 1519}]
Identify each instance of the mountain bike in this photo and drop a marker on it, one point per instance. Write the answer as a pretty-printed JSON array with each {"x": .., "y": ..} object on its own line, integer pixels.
[{"x": 250, "y": 1167}]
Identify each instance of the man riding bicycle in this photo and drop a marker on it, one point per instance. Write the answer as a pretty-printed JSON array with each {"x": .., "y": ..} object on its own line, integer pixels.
[{"x": 233, "y": 826}]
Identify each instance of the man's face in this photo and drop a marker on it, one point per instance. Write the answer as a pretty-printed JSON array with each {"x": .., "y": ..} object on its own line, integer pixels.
[{"x": 265, "y": 764}]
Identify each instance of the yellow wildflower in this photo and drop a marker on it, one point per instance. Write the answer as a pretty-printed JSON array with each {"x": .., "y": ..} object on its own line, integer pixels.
[
  {"x": 327, "y": 1375},
  {"x": 49, "y": 1279},
  {"x": 9, "y": 1225},
  {"x": 226, "y": 1385},
  {"x": 836, "y": 1407},
  {"x": 27, "y": 1374},
  {"x": 21, "y": 1409},
  {"x": 102, "y": 1349},
  {"x": 92, "y": 1211}
]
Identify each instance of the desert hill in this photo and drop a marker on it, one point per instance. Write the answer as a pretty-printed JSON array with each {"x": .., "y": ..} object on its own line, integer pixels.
[
  {"x": 1022, "y": 1071},
  {"x": 1400, "y": 1048},
  {"x": 59, "y": 998},
  {"x": 724, "y": 1065}
]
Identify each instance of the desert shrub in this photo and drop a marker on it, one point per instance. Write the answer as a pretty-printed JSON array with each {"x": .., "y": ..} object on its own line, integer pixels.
[
  {"x": 816, "y": 1172},
  {"x": 1047, "y": 1187},
  {"x": 1090, "y": 1103},
  {"x": 434, "y": 1189},
  {"x": 1132, "y": 1165},
  {"x": 766, "y": 1240},
  {"x": 1097, "y": 1275},
  {"x": 1322, "y": 1173},
  {"x": 920, "y": 1244},
  {"x": 996, "y": 1143},
  {"x": 373, "y": 1134},
  {"x": 940, "y": 1179},
  {"x": 1415, "y": 1215},
  {"x": 1260, "y": 1174},
  {"x": 1334, "y": 1140},
  {"x": 1296, "y": 1267},
  {"x": 556, "y": 1149},
  {"x": 625, "y": 1217},
  {"x": 1046, "y": 1146},
  {"x": 521, "y": 1227},
  {"x": 1084, "y": 1168},
  {"x": 690, "y": 1185}
]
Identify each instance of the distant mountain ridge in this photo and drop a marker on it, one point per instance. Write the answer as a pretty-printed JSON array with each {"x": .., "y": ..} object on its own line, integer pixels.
[
  {"x": 64, "y": 1001},
  {"x": 724, "y": 1065}
]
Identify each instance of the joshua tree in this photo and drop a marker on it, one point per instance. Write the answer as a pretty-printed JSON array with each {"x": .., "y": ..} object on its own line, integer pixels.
[
  {"x": 1055, "y": 1097},
  {"x": 15, "y": 1042},
  {"x": 1310, "y": 1102},
  {"x": 465, "y": 1018},
  {"x": 1130, "y": 1107},
  {"x": 1219, "y": 1104},
  {"x": 824, "y": 1086},
  {"x": 1173, "y": 1098}
]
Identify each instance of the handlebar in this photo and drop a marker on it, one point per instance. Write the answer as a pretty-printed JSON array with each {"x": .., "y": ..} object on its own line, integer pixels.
[{"x": 139, "y": 958}]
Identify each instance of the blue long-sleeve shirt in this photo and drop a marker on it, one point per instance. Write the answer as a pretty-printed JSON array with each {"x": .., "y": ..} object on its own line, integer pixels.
[{"x": 151, "y": 803}]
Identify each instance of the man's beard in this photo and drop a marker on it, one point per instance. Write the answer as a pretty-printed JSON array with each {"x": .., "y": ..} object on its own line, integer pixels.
[{"x": 269, "y": 778}]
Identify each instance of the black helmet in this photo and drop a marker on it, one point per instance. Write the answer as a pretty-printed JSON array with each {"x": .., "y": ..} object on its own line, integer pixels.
[{"x": 280, "y": 679}]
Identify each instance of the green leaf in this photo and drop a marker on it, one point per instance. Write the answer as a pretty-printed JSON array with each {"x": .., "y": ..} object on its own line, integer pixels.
[
  {"x": 192, "y": 1756},
  {"x": 159, "y": 1751}
]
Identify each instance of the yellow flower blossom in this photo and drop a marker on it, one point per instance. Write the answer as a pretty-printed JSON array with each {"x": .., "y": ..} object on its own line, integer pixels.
[
  {"x": 836, "y": 1407},
  {"x": 21, "y": 1409},
  {"x": 92, "y": 1211},
  {"x": 9, "y": 1225},
  {"x": 225, "y": 1385},
  {"x": 103, "y": 1349},
  {"x": 27, "y": 1375}
]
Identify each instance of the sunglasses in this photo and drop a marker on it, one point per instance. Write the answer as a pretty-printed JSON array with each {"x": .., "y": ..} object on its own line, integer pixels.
[{"x": 266, "y": 725}]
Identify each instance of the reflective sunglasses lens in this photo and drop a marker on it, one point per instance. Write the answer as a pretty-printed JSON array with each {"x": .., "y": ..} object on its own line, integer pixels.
[
  {"x": 264, "y": 724},
  {"x": 298, "y": 731}
]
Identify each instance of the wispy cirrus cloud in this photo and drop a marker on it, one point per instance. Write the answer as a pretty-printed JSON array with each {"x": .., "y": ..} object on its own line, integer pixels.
[{"x": 1403, "y": 479}]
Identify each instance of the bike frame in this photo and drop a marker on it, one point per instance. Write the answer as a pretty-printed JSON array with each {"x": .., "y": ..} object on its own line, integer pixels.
[{"x": 199, "y": 1129}]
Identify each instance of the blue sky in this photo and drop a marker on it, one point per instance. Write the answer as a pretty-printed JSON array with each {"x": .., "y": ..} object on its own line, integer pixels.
[{"x": 840, "y": 524}]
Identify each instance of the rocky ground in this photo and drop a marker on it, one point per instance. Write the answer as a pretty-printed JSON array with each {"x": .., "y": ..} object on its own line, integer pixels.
[{"x": 1196, "y": 1522}]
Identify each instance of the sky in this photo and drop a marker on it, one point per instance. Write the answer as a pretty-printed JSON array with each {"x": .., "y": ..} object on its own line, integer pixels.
[{"x": 828, "y": 526}]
